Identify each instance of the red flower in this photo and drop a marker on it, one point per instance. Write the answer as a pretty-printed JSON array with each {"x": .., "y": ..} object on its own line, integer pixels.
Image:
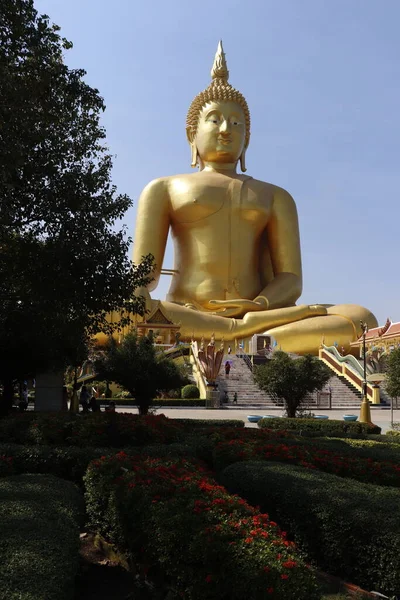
[
  {"x": 209, "y": 579},
  {"x": 284, "y": 576}
]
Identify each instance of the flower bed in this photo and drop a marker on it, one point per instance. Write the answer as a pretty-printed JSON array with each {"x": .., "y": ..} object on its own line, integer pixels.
[
  {"x": 307, "y": 455},
  {"x": 71, "y": 463},
  {"x": 349, "y": 528},
  {"x": 39, "y": 537},
  {"x": 323, "y": 427},
  {"x": 188, "y": 532}
]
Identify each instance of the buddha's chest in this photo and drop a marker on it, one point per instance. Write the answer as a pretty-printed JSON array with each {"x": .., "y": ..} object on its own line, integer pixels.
[{"x": 196, "y": 201}]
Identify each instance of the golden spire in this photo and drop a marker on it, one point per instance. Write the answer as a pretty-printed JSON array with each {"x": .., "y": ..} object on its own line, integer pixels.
[{"x": 220, "y": 68}]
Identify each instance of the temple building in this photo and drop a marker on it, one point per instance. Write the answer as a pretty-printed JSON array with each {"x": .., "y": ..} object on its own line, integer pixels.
[
  {"x": 164, "y": 331},
  {"x": 384, "y": 339}
]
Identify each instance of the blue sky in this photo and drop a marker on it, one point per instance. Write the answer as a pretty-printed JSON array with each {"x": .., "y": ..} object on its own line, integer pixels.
[{"x": 322, "y": 80}]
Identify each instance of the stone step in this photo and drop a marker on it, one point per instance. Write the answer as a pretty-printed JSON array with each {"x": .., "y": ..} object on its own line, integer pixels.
[{"x": 241, "y": 381}]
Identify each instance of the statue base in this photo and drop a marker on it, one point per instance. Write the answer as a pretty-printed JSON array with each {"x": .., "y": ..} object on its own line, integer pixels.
[{"x": 212, "y": 397}]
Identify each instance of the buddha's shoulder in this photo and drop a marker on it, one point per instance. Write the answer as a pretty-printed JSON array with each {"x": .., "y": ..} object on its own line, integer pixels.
[{"x": 278, "y": 193}]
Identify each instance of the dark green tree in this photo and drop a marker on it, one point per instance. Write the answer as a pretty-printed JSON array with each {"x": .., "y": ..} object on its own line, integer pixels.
[
  {"x": 393, "y": 374},
  {"x": 291, "y": 380},
  {"x": 135, "y": 365},
  {"x": 63, "y": 258}
]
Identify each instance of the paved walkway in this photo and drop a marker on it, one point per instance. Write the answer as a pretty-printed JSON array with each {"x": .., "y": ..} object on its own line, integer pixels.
[{"x": 379, "y": 416}]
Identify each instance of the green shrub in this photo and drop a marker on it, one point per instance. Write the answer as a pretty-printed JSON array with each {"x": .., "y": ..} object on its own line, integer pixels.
[
  {"x": 350, "y": 529},
  {"x": 310, "y": 455},
  {"x": 393, "y": 433},
  {"x": 39, "y": 537},
  {"x": 190, "y": 391},
  {"x": 189, "y": 532},
  {"x": 189, "y": 424},
  {"x": 71, "y": 463},
  {"x": 68, "y": 463},
  {"x": 182, "y": 402},
  {"x": 326, "y": 427},
  {"x": 115, "y": 430},
  {"x": 157, "y": 402}
]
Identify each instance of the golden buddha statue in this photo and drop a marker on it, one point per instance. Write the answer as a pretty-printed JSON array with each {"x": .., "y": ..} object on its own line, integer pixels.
[{"x": 236, "y": 239}]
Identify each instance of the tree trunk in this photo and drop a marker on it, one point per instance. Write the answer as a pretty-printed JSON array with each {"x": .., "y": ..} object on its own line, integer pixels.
[
  {"x": 143, "y": 405},
  {"x": 8, "y": 395},
  {"x": 291, "y": 410}
]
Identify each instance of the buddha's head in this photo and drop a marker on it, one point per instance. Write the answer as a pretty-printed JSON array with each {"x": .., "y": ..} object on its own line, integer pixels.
[{"x": 218, "y": 120}]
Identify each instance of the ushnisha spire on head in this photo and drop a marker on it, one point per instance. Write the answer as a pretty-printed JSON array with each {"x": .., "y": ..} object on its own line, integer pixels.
[
  {"x": 220, "y": 68},
  {"x": 219, "y": 89}
]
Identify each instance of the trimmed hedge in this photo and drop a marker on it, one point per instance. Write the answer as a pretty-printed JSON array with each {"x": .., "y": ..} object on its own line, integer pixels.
[
  {"x": 393, "y": 433},
  {"x": 326, "y": 427},
  {"x": 181, "y": 402},
  {"x": 39, "y": 537},
  {"x": 72, "y": 463},
  {"x": 157, "y": 402},
  {"x": 114, "y": 430},
  {"x": 305, "y": 453},
  {"x": 188, "y": 533},
  {"x": 209, "y": 423},
  {"x": 190, "y": 391},
  {"x": 335, "y": 521}
]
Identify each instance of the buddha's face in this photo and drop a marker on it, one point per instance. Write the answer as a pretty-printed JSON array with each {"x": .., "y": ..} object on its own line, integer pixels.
[{"x": 221, "y": 132}]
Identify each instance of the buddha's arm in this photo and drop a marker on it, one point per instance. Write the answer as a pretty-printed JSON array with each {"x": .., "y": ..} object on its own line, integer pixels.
[
  {"x": 152, "y": 225},
  {"x": 284, "y": 246}
]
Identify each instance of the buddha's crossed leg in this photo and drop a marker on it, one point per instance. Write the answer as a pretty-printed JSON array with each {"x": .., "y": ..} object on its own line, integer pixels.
[{"x": 299, "y": 329}]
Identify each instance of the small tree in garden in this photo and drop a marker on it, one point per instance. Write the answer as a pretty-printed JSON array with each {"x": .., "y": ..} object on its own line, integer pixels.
[
  {"x": 393, "y": 374},
  {"x": 291, "y": 380},
  {"x": 135, "y": 365}
]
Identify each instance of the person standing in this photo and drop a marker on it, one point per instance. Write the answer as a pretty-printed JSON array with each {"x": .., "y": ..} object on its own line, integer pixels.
[
  {"x": 229, "y": 349},
  {"x": 84, "y": 398},
  {"x": 227, "y": 368}
]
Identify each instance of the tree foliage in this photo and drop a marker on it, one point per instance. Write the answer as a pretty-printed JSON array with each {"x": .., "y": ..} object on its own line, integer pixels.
[
  {"x": 135, "y": 365},
  {"x": 290, "y": 379},
  {"x": 63, "y": 259},
  {"x": 393, "y": 374}
]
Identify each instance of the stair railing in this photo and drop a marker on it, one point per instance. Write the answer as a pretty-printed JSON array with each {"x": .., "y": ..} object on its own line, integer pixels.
[
  {"x": 247, "y": 360},
  {"x": 332, "y": 359}
]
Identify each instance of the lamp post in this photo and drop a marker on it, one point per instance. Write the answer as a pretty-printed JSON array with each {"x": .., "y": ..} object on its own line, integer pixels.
[{"x": 365, "y": 412}]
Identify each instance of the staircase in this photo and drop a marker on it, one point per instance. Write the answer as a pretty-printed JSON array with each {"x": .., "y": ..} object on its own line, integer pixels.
[{"x": 241, "y": 381}]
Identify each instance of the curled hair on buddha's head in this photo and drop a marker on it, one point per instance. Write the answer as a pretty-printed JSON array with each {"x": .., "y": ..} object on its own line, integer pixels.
[{"x": 219, "y": 89}]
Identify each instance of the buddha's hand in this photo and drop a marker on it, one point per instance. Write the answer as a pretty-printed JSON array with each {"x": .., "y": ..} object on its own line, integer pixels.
[{"x": 238, "y": 307}]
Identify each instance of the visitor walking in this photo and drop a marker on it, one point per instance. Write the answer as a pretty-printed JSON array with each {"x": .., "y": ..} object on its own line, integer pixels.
[
  {"x": 235, "y": 398},
  {"x": 227, "y": 368},
  {"x": 229, "y": 349}
]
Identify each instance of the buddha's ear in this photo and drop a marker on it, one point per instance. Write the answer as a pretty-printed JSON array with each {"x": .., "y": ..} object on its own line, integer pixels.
[
  {"x": 195, "y": 157},
  {"x": 189, "y": 135},
  {"x": 243, "y": 161}
]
